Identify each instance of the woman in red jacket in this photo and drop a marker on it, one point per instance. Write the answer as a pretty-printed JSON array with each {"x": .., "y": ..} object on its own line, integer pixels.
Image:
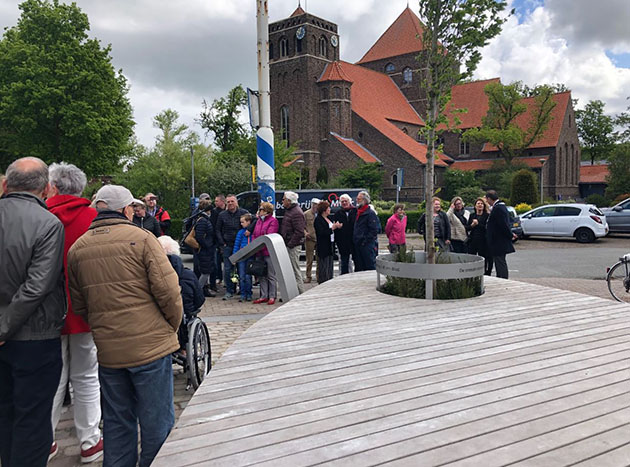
[
  {"x": 395, "y": 229},
  {"x": 266, "y": 224}
]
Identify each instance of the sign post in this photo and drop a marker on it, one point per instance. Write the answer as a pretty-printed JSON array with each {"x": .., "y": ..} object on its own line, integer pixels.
[{"x": 399, "y": 181}]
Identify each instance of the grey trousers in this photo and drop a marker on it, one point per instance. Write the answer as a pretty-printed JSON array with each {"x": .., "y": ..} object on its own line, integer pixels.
[
  {"x": 268, "y": 284},
  {"x": 294, "y": 256},
  {"x": 325, "y": 269}
]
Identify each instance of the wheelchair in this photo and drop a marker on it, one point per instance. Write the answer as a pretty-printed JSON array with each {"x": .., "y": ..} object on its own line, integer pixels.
[{"x": 197, "y": 362}]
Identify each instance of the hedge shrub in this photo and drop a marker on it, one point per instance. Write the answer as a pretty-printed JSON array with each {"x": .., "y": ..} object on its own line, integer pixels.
[
  {"x": 524, "y": 187},
  {"x": 598, "y": 200}
]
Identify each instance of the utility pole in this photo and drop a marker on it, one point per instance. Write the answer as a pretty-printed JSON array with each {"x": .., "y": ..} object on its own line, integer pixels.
[
  {"x": 192, "y": 172},
  {"x": 264, "y": 135}
]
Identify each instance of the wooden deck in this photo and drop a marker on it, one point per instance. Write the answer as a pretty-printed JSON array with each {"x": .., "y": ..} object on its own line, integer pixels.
[{"x": 344, "y": 375}]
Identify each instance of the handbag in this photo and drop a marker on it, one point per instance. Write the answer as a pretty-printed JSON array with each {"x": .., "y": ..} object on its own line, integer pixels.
[
  {"x": 257, "y": 267},
  {"x": 190, "y": 240}
]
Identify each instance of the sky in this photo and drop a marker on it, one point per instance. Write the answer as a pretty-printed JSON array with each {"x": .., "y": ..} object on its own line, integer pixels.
[{"x": 175, "y": 54}]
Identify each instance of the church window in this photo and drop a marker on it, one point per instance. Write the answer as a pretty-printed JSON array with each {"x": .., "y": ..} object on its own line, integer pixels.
[
  {"x": 337, "y": 92},
  {"x": 569, "y": 120},
  {"x": 407, "y": 75},
  {"x": 298, "y": 45},
  {"x": 284, "y": 47},
  {"x": 405, "y": 131},
  {"x": 570, "y": 180},
  {"x": 347, "y": 92},
  {"x": 395, "y": 179},
  {"x": 271, "y": 51},
  {"x": 464, "y": 148},
  {"x": 324, "y": 93},
  {"x": 360, "y": 135},
  {"x": 323, "y": 47},
  {"x": 390, "y": 68},
  {"x": 284, "y": 123}
]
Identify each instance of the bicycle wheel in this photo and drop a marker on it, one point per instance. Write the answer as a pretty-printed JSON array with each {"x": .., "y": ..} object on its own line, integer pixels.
[
  {"x": 198, "y": 352},
  {"x": 619, "y": 281}
]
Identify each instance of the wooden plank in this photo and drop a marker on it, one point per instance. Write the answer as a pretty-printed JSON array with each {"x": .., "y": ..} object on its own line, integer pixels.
[{"x": 380, "y": 379}]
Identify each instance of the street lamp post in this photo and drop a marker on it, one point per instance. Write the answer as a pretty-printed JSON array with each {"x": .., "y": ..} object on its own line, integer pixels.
[
  {"x": 300, "y": 162},
  {"x": 542, "y": 166}
]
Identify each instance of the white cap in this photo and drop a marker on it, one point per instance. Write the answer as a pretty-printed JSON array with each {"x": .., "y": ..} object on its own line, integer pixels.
[
  {"x": 115, "y": 196},
  {"x": 316, "y": 201}
]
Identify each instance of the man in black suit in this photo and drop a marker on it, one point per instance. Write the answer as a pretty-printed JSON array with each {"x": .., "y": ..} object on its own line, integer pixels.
[{"x": 498, "y": 233}]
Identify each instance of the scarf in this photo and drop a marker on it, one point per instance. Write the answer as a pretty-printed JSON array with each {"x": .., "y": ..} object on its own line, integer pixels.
[{"x": 362, "y": 209}]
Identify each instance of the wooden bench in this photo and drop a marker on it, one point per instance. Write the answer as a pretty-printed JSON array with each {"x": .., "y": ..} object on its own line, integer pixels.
[{"x": 345, "y": 375}]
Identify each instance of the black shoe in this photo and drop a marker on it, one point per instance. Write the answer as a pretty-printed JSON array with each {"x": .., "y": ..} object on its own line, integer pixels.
[{"x": 208, "y": 292}]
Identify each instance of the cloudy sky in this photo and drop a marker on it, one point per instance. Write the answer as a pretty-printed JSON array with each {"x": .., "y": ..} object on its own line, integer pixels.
[{"x": 177, "y": 53}]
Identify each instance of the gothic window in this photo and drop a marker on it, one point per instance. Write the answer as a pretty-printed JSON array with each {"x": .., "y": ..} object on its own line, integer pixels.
[
  {"x": 284, "y": 47},
  {"x": 324, "y": 94},
  {"x": 390, "y": 68},
  {"x": 337, "y": 92},
  {"x": 347, "y": 92},
  {"x": 271, "y": 51},
  {"x": 298, "y": 45},
  {"x": 323, "y": 47},
  {"x": 569, "y": 120},
  {"x": 464, "y": 148},
  {"x": 570, "y": 180},
  {"x": 395, "y": 179},
  {"x": 284, "y": 123},
  {"x": 407, "y": 75}
]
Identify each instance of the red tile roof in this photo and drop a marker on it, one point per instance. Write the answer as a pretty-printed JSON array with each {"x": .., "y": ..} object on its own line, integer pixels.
[
  {"x": 334, "y": 72},
  {"x": 470, "y": 96},
  {"x": 290, "y": 163},
  {"x": 298, "y": 11},
  {"x": 378, "y": 101},
  {"x": 552, "y": 133},
  {"x": 485, "y": 164},
  {"x": 593, "y": 173},
  {"x": 402, "y": 37},
  {"x": 357, "y": 149}
]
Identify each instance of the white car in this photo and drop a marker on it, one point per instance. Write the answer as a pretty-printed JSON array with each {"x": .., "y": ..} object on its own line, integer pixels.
[{"x": 585, "y": 222}]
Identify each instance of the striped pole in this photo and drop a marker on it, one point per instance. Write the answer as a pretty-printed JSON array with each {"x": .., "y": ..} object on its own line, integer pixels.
[{"x": 264, "y": 135}]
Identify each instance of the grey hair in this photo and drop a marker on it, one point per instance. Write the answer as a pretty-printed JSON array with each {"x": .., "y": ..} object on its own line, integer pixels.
[
  {"x": 291, "y": 196},
  {"x": 68, "y": 178},
  {"x": 170, "y": 246},
  {"x": 345, "y": 196},
  {"x": 366, "y": 196},
  {"x": 29, "y": 179}
]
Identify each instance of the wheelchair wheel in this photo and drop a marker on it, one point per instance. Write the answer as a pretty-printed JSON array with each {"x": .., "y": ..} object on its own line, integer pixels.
[{"x": 198, "y": 352}]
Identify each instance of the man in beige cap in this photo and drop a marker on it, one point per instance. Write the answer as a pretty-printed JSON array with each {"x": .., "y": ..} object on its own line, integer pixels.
[
  {"x": 310, "y": 240},
  {"x": 121, "y": 281}
]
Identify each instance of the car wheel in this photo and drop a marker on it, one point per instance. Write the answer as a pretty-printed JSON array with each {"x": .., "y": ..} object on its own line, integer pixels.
[{"x": 584, "y": 235}]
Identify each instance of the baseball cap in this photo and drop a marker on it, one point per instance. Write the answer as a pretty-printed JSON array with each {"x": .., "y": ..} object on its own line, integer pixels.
[
  {"x": 149, "y": 196},
  {"x": 316, "y": 201},
  {"x": 115, "y": 196},
  {"x": 137, "y": 201},
  {"x": 204, "y": 196}
]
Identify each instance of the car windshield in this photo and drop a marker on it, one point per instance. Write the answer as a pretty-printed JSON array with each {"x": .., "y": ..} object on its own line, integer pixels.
[{"x": 594, "y": 210}]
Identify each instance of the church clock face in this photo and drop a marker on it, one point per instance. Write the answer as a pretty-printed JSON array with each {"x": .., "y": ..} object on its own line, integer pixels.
[
  {"x": 300, "y": 33},
  {"x": 334, "y": 41}
]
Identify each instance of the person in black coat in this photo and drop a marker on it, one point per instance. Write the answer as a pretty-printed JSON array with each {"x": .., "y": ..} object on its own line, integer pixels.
[
  {"x": 343, "y": 236},
  {"x": 324, "y": 231},
  {"x": 365, "y": 235},
  {"x": 143, "y": 219},
  {"x": 476, "y": 228},
  {"x": 499, "y": 234},
  {"x": 441, "y": 225},
  {"x": 204, "y": 234}
]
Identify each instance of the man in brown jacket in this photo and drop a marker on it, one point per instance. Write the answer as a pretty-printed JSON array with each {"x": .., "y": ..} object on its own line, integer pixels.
[
  {"x": 292, "y": 231},
  {"x": 310, "y": 241},
  {"x": 121, "y": 281}
]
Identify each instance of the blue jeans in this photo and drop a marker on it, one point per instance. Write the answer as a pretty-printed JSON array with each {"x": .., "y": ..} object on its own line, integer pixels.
[
  {"x": 29, "y": 376},
  {"x": 245, "y": 280},
  {"x": 228, "y": 267},
  {"x": 365, "y": 257},
  {"x": 141, "y": 394}
]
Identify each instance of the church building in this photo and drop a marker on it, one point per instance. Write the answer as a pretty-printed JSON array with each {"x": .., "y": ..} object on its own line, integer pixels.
[{"x": 342, "y": 114}]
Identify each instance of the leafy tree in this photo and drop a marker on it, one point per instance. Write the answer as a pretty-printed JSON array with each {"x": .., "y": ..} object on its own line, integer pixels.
[
  {"x": 60, "y": 97},
  {"x": 368, "y": 176},
  {"x": 469, "y": 194},
  {"x": 524, "y": 187},
  {"x": 455, "y": 180},
  {"x": 619, "y": 171},
  {"x": 505, "y": 104},
  {"x": 221, "y": 118},
  {"x": 595, "y": 130},
  {"x": 454, "y": 31},
  {"x": 623, "y": 120},
  {"x": 322, "y": 175}
]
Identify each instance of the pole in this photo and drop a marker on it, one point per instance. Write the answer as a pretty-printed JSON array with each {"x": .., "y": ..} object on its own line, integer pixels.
[
  {"x": 542, "y": 166},
  {"x": 264, "y": 135},
  {"x": 192, "y": 171}
]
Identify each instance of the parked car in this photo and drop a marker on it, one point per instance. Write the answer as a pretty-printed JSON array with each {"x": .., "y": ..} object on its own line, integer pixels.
[
  {"x": 618, "y": 216},
  {"x": 585, "y": 222}
]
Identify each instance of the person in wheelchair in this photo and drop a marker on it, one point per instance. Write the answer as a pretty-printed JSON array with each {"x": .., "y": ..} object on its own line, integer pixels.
[{"x": 192, "y": 292}]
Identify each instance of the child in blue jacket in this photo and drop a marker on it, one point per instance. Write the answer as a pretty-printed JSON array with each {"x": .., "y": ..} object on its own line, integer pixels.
[{"x": 245, "y": 280}]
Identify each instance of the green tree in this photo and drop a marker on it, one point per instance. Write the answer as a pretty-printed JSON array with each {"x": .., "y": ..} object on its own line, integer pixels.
[
  {"x": 505, "y": 104},
  {"x": 60, "y": 97},
  {"x": 623, "y": 121},
  {"x": 368, "y": 176},
  {"x": 524, "y": 187},
  {"x": 595, "y": 130},
  {"x": 454, "y": 31},
  {"x": 619, "y": 171},
  {"x": 455, "y": 180},
  {"x": 221, "y": 118}
]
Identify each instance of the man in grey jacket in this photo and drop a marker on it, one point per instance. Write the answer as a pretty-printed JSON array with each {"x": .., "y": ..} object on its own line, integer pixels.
[{"x": 32, "y": 312}]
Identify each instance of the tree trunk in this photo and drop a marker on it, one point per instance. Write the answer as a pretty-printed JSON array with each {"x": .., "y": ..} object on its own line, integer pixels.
[{"x": 429, "y": 187}]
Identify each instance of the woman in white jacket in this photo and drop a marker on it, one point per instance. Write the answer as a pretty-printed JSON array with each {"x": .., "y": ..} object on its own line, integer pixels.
[{"x": 458, "y": 219}]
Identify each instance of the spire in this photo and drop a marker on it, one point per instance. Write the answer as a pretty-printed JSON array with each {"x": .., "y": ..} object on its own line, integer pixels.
[{"x": 298, "y": 11}]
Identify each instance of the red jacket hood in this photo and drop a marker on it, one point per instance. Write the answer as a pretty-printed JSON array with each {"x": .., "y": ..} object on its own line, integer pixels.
[{"x": 68, "y": 207}]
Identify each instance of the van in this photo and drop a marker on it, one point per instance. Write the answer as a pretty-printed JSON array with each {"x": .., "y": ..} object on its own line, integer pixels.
[{"x": 250, "y": 200}]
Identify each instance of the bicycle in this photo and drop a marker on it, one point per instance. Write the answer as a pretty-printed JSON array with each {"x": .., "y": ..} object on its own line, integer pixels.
[{"x": 618, "y": 279}]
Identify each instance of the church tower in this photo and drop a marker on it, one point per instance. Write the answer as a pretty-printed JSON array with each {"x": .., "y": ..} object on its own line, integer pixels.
[{"x": 300, "y": 48}]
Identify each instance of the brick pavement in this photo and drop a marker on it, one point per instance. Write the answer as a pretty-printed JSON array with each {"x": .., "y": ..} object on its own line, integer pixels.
[{"x": 227, "y": 320}]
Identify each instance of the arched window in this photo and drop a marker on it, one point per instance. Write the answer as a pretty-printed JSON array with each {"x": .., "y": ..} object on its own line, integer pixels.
[
  {"x": 284, "y": 123},
  {"x": 390, "y": 68},
  {"x": 570, "y": 180},
  {"x": 337, "y": 92},
  {"x": 347, "y": 93},
  {"x": 566, "y": 157},
  {"x": 323, "y": 94},
  {"x": 407, "y": 75},
  {"x": 298, "y": 45},
  {"x": 395, "y": 178},
  {"x": 323, "y": 47},
  {"x": 284, "y": 47}
]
